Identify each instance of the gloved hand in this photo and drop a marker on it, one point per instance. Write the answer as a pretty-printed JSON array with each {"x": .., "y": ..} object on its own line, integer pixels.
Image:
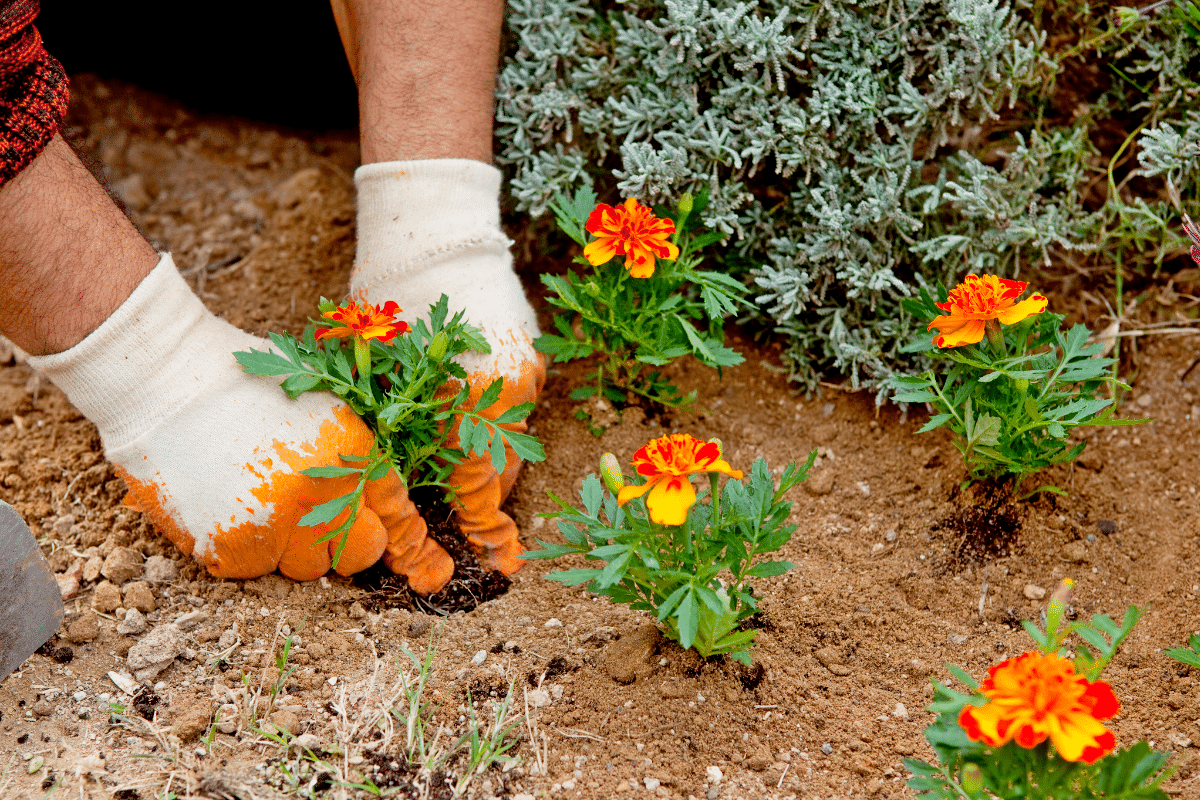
[
  {"x": 213, "y": 456},
  {"x": 427, "y": 228}
]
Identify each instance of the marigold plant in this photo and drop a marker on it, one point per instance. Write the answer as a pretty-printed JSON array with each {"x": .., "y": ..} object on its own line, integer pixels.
[
  {"x": 394, "y": 377},
  {"x": 1017, "y": 386},
  {"x": 643, "y": 303},
  {"x": 668, "y": 551},
  {"x": 1034, "y": 728}
]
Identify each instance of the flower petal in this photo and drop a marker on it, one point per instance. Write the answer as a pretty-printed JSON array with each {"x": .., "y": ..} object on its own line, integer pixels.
[
  {"x": 630, "y": 492},
  {"x": 956, "y": 335},
  {"x": 601, "y": 251},
  {"x": 1019, "y": 311},
  {"x": 670, "y": 500}
]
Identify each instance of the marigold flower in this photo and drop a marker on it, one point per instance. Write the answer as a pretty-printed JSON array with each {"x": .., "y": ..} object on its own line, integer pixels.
[
  {"x": 667, "y": 463},
  {"x": 979, "y": 299},
  {"x": 632, "y": 231},
  {"x": 1034, "y": 696},
  {"x": 365, "y": 322}
]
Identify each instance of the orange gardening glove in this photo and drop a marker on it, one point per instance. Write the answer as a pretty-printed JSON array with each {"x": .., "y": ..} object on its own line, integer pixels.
[
  {"x": 213, "y": 456},
  {"x": 428, "y": 228}
]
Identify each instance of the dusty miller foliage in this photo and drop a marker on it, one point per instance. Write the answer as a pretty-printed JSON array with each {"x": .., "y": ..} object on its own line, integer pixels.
[{"x": 840, "y": 142}]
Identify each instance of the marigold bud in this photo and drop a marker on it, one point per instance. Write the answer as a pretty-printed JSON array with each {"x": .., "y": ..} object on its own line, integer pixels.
[
  {"x": 610, "y": 473},
  {"x": 438, "y": 345},
  {"x": 971, "y": 779},
  {"x": 326, "y": 305},
  {"x": 592, "y": 288},
  {"x": 685, "y": 204}
]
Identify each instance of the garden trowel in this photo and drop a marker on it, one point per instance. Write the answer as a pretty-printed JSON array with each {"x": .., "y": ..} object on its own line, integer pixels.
[{"x": 31, "y": 607}]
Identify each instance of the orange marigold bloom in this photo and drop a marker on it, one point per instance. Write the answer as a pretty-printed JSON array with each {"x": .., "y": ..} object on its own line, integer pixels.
[
  {"x": 667, "y": 463},
  {"x": 365, "y": 322},
  {"x": 632, "y": 231},
  {"x": 979, "y": 299},
  {"x": 1034, "y": 696}
]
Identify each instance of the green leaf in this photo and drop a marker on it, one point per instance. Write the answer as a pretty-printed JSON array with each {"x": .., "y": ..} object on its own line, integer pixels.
[
  {"x": 574, "y": 577},
  {"x": 326, "y": 512},
  {"x": 919, "y": 396},
  {"x": 499, "y": 458},
  {"x": 689, "y": 619},
  {"x": 936, "y": 421},
  {"x": 583, "y": 392},
  {"x": 330, "y": 472},
  {"x": 490, "y": 395},
  {"x": 298, "y": 384},
  {"x": 515, "y": 414},
  {"x": 672, "y": 600},
  {"x": 527, "y": 447},
  {"x": 769, "y": 569},
  {"x": 266, "y": 363}
]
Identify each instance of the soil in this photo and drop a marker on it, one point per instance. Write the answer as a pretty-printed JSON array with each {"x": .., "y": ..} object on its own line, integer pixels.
[{"x": 899, "y": 571}]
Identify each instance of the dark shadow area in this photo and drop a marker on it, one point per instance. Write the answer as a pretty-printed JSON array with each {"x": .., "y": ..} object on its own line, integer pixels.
[{"x": 274, "y": 62}]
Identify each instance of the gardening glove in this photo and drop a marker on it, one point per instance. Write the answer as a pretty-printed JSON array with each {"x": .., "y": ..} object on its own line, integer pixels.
[
  {"x": 213, "y": 456},
  {"x": 427, "y": 228}
]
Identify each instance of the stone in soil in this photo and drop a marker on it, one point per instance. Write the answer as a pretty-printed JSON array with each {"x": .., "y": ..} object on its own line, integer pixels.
[
  {"x": 160, "y": 569},
  {"x": 285, "y": 719},
  {"x": 629, "y": 657},
  {"x": 139, "y": 596},
  {"x": 193, "y": 721},
  {"x": 69, "y": 582},
  {"x": 122, "y": 565},
  {"x": 820, "y": 482},
  {"x": 155, "y": 652},
  {"x": 106, "y": 597},
  {"x": 133, "y": 624},
  {"x": 82, "y": 627}
]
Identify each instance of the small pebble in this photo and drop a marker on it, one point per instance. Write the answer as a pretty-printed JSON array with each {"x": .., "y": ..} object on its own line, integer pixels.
[
  {"x": 713, "y": 792},
  {"x": 713, "y": 774},
  {"x": 35, "y": 764},
  {"x": 827, "y": 748},
  {"x": 900, "y": 711},
  {"x": 1034, "y": 592},
  {"x": 554, "y": 622},
  {"x": 569, "y": 784},
  {"x": 479, "y": 658},
  {"x": 79, "y": 697},
  {"x": 43, "y": 708},
  {"x": 651, "y": 784}
]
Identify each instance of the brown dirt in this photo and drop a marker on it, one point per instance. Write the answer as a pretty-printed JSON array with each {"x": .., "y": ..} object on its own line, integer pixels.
[{"x": 887, "y": 590}]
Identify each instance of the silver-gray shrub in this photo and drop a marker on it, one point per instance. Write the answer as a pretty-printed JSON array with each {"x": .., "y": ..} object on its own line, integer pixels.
[{"x": 841, "y": 143}]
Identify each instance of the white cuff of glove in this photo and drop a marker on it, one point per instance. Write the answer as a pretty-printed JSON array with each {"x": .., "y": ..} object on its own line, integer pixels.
[
  {"x": 427, "y": 228},
  {"x": 147, "y": 360}
]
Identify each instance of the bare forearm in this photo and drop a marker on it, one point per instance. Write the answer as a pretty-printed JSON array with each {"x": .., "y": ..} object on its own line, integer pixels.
[
  {"x": 426, "y": 74},
  {"x": 68, "y": 256}
]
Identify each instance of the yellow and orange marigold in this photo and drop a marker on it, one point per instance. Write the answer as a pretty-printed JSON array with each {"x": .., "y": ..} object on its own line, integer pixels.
[
  {"x": 667, "y": 463},
  {"x": 632, "y": 231},
  {"x": 977, "y": 300},
  {"x": 1034, "y": 697},
  {"x": 364, "y": 322}
]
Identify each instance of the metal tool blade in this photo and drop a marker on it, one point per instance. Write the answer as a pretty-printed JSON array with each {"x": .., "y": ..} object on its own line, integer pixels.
[{"x": 31, "y": 607}]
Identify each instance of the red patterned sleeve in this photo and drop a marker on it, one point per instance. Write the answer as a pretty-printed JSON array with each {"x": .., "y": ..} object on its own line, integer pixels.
[{"x": 33, "y": 88}]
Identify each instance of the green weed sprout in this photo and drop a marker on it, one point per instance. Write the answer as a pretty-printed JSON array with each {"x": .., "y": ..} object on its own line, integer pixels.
[
  {"x": 634, "y": 311},
  {"x": 393, "y": 376},
  {"x": 1018, "y": 385},
  {"x": 685, "y": 561},
  {"x": 1034, "y": 727},
  {"x": 1188, "y": 656}
]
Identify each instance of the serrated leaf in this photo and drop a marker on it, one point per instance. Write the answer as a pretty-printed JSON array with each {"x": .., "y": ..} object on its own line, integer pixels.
[
  {"x": 490, "y": 395},
  {"x": 330, "y": 472},
  {"x": 326, "y": 512},
  {"x": 297, "y": 384},
  {"x": 257, "y": 362}
]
